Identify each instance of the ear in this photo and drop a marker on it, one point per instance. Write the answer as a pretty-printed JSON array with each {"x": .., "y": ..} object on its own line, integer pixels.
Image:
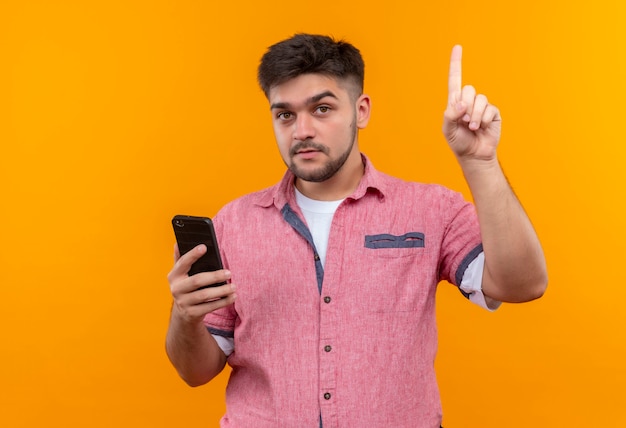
[{"x": 363, "y": 108}]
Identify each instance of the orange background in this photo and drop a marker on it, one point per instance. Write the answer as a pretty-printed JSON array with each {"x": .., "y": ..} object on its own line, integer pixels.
[{"x": 116, "y": 115}]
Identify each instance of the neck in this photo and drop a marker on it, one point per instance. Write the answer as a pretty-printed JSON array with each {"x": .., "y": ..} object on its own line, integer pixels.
[{"x": 340, "y": 185}]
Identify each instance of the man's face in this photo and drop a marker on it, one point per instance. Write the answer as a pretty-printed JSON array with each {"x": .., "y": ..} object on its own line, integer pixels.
[{"x": 315, "y": 120}]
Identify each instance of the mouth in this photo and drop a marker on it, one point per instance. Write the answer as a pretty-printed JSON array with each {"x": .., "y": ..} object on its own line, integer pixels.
[
  {"x": 307, "y": 153},
  {"x": 307, "y": 149}
]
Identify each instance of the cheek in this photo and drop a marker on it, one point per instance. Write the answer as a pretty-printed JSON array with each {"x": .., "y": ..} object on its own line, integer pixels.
[{"x": 282, "y": 140}]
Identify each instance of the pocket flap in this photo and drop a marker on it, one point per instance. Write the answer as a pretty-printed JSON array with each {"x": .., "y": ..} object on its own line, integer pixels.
[{"x": 385, "y": 240}]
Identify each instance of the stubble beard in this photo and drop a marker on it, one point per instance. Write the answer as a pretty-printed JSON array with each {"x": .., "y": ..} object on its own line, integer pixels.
[{"x": 326, "y": 171}]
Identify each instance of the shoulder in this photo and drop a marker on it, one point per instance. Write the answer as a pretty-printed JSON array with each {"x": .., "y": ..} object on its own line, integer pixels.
[
  {"x": 428, "y": 203},
  {"x": 259, "y": 198},
  {"x": 398, "y": 188},
  {"x": 251, "y": 207}
]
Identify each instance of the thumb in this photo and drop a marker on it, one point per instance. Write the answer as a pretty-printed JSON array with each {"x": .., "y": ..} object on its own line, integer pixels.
[
  {"x": 455, "y": 111},
  {"x": 452, "y": 117}
]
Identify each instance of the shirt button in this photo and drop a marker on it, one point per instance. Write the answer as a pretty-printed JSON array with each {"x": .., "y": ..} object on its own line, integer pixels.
[
  {"x": 327, "y": 299},
  {"x": 327, "y": 396},
  {"x": 328, "y": 348},
  {"x": 317, "y": 257}
]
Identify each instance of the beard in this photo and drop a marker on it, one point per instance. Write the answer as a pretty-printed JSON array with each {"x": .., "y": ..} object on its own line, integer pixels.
[{"x": 330, "y": 168}]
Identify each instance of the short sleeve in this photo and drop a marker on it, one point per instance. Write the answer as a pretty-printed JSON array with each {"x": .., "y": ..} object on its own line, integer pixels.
[
  {"x": 461, "y": 240},
  {"x": 222, "y": 321}
]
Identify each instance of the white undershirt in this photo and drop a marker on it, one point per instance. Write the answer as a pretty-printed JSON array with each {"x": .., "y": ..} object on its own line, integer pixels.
[{"x": 319, "y": 218}]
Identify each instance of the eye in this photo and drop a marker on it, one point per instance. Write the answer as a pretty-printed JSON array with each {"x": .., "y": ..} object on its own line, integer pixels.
[
  {"x": 285, "y": 115},
  {"x": 323, "y": 109}
]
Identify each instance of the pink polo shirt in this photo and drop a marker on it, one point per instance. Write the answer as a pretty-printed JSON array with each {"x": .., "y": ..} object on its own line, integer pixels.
[{"x": 353, "y": 341}]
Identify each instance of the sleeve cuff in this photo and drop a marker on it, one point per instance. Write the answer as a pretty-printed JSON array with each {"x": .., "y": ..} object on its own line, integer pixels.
[{"x": 471, "y": 284}]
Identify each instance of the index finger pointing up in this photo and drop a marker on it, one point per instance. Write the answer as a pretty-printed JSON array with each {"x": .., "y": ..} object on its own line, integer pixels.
[{"x": 454, "y": 79}]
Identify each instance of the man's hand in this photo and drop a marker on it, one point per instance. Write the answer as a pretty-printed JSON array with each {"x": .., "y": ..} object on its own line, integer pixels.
[
  {"x": 471, "y": 125},
  {"x": 189, "y": 345},
  {"x": 190, "y": 302}
]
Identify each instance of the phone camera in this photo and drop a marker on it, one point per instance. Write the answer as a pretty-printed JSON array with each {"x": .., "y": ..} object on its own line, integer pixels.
[{"x": 179, "y": 223}]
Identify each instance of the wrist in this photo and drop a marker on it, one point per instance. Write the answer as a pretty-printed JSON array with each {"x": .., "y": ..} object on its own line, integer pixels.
[
  {"x": 472, "y": 165},
  {"x": 186, "y": 318},
  {"x": 485, "y": 178}
]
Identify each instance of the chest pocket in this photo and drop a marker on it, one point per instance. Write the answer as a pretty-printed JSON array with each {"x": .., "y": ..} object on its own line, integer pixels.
[{"x": 399, "y": 271}]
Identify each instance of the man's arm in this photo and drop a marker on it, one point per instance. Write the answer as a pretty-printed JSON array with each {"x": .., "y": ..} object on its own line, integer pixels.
[
  {"x": 190, "y": 347},
  {"x": 515, "y": 268}
]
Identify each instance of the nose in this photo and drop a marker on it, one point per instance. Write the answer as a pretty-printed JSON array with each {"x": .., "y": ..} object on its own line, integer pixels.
[{"x": 303, "y": 128}]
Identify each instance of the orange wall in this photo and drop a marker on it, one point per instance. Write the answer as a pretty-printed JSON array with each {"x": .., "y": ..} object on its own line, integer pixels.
[{"x": 116, "y": 115}]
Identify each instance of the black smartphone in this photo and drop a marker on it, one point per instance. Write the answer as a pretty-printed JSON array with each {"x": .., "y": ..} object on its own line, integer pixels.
[{"x": 192, "y": 231}]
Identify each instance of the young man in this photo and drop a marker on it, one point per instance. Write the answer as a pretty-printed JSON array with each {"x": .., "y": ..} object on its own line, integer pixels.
[{"x": 332, "y": 321}]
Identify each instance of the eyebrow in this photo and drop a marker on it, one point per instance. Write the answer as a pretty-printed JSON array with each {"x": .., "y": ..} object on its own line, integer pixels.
[{"x": 311, "y": 100}]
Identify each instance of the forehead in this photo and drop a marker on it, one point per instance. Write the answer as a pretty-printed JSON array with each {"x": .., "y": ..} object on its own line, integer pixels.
[{"x": 307, "y": 86}]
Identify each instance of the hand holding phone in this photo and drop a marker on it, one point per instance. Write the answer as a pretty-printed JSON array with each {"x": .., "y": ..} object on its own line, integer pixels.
[{"x": 192, "y": 231}]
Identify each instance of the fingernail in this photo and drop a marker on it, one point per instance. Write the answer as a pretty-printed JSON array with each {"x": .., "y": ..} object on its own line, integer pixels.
[
  {"x": 227, "y": 274},
  {"x": 466, "y": 118},
  {"x": 473, "y": 125}
]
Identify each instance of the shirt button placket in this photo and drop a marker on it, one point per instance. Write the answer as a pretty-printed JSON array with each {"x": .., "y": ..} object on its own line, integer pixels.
[
  {"x": 327, "y": 349},
  {"x": 328, "y": 364}
]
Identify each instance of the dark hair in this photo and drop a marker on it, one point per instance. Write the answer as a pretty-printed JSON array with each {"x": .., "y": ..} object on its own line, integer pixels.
[{"x": 309, "y": 53}]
